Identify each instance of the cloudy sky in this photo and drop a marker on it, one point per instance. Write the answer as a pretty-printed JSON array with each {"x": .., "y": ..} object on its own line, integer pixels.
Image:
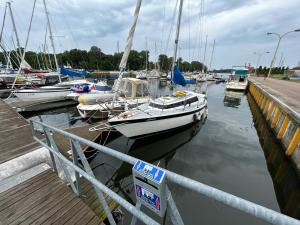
[{"x": 239, "y": 27}]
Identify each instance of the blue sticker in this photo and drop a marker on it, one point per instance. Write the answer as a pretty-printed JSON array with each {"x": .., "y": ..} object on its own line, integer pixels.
[{"x": 148, "y": 197}]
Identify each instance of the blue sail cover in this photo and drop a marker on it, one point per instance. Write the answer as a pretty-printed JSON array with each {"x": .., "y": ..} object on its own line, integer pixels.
[
  {"x": 72, "y": 73},
  {"x": 178, "y": 78}
]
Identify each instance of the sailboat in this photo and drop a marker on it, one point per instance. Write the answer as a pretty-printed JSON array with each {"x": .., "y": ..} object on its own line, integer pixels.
[
  {"x": 58, "y": 91},
  {"x": 127, "y": 92},
  {"x": 164, "y": 113},
  {"x": 133, "y": 92}
]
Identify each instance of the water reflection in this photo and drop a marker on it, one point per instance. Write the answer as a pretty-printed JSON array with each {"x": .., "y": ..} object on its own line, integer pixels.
[
  {"x": 285, "y": 180},
  {"x": 232, "y": 99}
]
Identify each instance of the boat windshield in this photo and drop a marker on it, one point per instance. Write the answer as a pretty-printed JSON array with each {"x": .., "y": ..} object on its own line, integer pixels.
[
  {"x": 184, "y": 102},
  {"x": 141, "y": 90}
]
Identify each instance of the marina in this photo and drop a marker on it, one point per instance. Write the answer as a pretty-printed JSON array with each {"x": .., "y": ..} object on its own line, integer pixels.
[{"x": 177, "y": 129}]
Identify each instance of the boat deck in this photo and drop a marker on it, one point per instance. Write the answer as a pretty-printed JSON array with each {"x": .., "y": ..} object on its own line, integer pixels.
[
  {"x": 45, "y": 199},
  {"x": 14, "y": 127}
]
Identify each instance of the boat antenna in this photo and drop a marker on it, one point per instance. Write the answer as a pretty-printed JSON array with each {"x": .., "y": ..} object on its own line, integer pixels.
[
  {"x": 176, "y": 38},
  {"x": 25, "y": 47},
  {"x": 128, "y": 47},
  {"x": 51, "y": 39}
]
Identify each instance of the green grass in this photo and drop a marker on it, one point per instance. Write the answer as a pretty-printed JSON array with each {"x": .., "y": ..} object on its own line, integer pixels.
[{"x": 280, "y": 77}]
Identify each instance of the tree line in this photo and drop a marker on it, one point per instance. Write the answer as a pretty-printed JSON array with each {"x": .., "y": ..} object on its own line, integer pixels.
[
  {"x": 275, "y": 70},
  {"x": 95, "y": 59}
]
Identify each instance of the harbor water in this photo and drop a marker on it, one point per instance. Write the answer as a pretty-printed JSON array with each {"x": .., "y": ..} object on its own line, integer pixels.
[{"x": 232, "y": 150}]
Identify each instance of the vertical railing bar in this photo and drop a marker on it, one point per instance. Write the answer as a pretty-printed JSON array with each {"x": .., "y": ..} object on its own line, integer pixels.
[
  {"x": 75, "y": 161},
  {"x": 134, "y": 219},
  {"x": 65, "y": 170},
  {"x": 51, "y": 154},
  {"x": 88, "y": 169},
  {"x": 173, "y": 213}
]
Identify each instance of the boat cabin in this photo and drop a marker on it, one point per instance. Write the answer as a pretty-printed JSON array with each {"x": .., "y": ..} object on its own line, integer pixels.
[
  {"x": 179, "y": 98},
  {"x": 134, "y": 88},
  {"x": 240, "y": 75}
]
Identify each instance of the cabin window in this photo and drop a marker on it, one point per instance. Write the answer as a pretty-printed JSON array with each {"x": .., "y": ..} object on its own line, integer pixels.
[
  {"x": 177, "y": 104},
  {"x": 128, "y": 90}
]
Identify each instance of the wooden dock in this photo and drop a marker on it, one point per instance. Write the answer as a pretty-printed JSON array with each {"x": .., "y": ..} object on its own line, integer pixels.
[
  {"x": 44, "y": 199},
  {"x": 41, "y": 198},
  {"x": 15, "y": 134}
]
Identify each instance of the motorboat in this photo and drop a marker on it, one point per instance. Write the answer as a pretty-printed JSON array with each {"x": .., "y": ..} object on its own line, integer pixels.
[
  {"x": 58, "y": 91},
  {"x": 92, "y": 88},
  {"x": 132, "y": 92},
  {"x": 161, "y": 114},
  {"x": 238, "y": 81}
]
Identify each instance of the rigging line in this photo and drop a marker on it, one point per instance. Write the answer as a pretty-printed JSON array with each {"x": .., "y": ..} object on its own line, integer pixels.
[
  {"x": 3, "y": 22},
  {"x": 7, "y": 55},
  {"x": 163, "y": 26},
  {"x": 6, "y": 47},
  {"x": 71, "y": 32},
  {"x": 26, "y": 43},
  {"x": 202, "y": 30},
  {"x": 199, "y": 37},
  {"x": 197, "y": 33},
  {"x": 14, "y": 47},
  {"x": 171, "y": 27},
  {"x": 189, "y": 21}
]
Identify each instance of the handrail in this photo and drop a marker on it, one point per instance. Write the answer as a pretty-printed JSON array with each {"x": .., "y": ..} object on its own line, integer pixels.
[{"x": 246, "y": 206}]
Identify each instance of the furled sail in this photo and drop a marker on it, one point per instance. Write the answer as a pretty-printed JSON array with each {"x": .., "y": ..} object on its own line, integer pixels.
[
  {"x": 178, "y": 78},
  {"x": 124, "y": 59}
]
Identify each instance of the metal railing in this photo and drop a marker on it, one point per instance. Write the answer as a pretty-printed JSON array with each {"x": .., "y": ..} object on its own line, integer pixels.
[{"x": 248, "y": 207}]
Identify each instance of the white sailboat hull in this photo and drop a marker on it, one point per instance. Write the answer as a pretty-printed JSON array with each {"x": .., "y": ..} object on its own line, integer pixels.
[
  {"x": 159, "y": 124},
  {"x": 32, "y": 95}
]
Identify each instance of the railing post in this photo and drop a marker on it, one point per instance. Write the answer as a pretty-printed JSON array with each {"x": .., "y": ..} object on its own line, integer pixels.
[
  {"x": 134, "y": 219},
  {"x": 88, "y": 169},
  {"x": 173, "y": 213},
  {"x": 51, "y": 154},
  {"x": 75, "y": 161},
  {"x": 54, "y": 147}
]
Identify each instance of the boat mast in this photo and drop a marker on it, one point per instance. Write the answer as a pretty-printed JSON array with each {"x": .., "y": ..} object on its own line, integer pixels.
[
  {"x": 51, "y": 39},
  {"x": 211, "y": 57},
  {"x": 1, "y": 34},
  {"x": 176, "y": 38},
  {"x": 128, "y": 46},
  {"x": 204, "y": 55},
  {"x": 146, "y": 55},
  {"x": 27, "y": 38},
  {"x": 15, "y": 29}
]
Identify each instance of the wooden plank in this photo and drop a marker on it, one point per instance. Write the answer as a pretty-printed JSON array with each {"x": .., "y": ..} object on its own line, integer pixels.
[
  {"x": 79, "y": 215},
  {"x": 22, "y": 188},
  {"x": 20, "y": 201},
  {"x": 45, "y": 199},
  {"x": 40, "y": 216},
  {"x": 14, "y": 127},
  {"x": 94, "y": 221},
  {"x": 28, "y": 213},
  {"x": 64, "y": 212},
  {"x": 85, "y": 219}
]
